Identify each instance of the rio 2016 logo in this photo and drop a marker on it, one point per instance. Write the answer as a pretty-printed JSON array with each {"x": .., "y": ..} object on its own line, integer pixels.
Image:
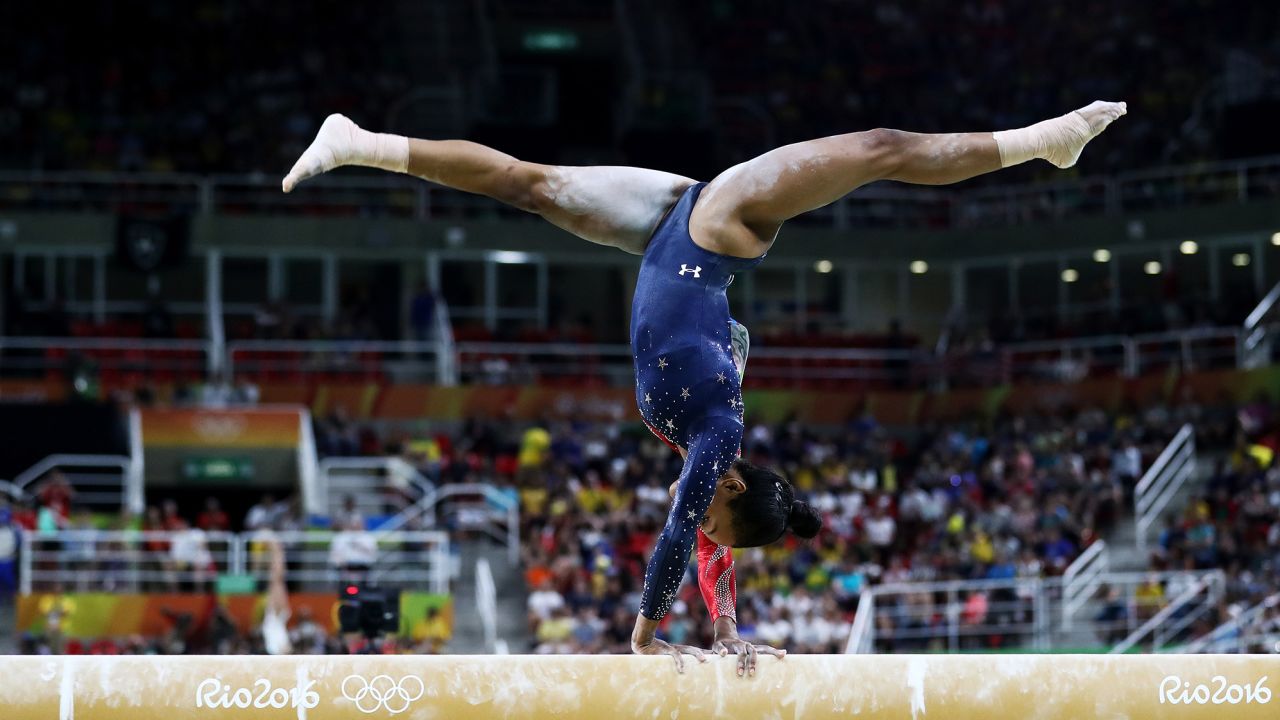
[
  {"x": 213, "y": 693},
  {"x": 1176, "y": 691},
  {"x": 382, "y": 693}
]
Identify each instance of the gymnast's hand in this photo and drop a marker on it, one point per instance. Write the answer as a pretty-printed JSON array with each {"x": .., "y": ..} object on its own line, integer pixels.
[
  {"x": 644, "y": 642},
  {"x": 727, "y": 642}
]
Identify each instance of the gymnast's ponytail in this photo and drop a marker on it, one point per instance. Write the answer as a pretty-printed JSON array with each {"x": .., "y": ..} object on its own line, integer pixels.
[
  {"x": 803, "y": 520},
  {"x": 768, "y": 507}
]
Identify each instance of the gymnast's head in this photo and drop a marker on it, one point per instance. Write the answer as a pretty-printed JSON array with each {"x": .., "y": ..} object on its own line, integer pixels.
[{"x": 756, "y": 506}]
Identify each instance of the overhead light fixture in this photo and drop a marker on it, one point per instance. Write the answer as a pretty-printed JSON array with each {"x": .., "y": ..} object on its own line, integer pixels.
[
  {"x": 1151, "y": 268},
  {"x": 1070, "y": 275},
  {"x": 1240, "y": 259},
  {"x": 1275, "y": 238},
  {"x": 919, "y": 267},
  {"x": 1189, "y": 247},
  {"x": 1102, "y": 255},
  {"x": 823, "y": 266},
  {"x": 510, "y": 257}
]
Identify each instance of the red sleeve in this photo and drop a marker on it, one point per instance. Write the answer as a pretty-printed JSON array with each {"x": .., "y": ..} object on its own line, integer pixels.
[{"x": 716, "y": 579}]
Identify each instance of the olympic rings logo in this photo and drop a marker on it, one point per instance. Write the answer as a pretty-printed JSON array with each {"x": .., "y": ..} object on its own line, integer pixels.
[{"x": 382, "y": 693}]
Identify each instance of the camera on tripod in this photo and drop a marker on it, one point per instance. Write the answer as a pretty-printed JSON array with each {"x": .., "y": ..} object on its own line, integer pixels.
[{"x": 372, "y": 612}]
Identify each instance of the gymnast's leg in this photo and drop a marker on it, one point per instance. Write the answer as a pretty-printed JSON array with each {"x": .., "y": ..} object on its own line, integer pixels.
[
  {"x": 739, "y": 212},
  {"x": 617, "y": 206}
]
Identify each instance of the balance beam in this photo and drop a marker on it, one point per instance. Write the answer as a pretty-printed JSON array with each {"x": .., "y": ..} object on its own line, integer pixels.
[{"x": 986, "y": 687}]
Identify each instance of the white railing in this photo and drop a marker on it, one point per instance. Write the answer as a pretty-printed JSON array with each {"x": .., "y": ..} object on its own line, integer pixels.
[
  {"x": 398, "y": 559},
  {"x": 1255, "y": 346},
  {"x": 1254, "y": 629},
  {"x": 125, "y": 561},
  {"x": 140, "y": 356},
  {"x": 1167, "y": 626},
  {"x": 474, "y": 507},
  {"x": 402, "y": 361},
  {"x": 1162, "y": 481},
  {"x": 486, "y": 363},
  {"x": 380, "y": 487},
  {"x": 1026, "y": 612},
  {"x": 385, "y": 195},
  {"x": 1081, "y": 580},
  {"x": 487, "y": 607},
  {"x": 98, "y": 480},
  {"x": 85, "y": 560},
  {"x": 862, "y": 632}
]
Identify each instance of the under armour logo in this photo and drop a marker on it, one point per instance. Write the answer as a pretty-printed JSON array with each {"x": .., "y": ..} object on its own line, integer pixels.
[{"x": 697, "y": 271}]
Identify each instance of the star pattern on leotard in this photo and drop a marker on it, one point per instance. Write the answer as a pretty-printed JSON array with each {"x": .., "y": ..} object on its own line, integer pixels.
[
  {"x": 684, "y": 393},
  {"x": 648, "y": 400},
  {"x": 720, "y": 378},
  {"x": 671, "y": 424},
  {"x": 692, "y": 515},
  {"x": 662, "y": 363}
]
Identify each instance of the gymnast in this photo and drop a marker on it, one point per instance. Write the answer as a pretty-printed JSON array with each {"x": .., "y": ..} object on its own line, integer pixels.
[{"x": 689, "y": 354}]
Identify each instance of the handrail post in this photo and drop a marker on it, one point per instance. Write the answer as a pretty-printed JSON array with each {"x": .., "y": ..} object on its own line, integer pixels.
[{"x": 27, "y": 542}]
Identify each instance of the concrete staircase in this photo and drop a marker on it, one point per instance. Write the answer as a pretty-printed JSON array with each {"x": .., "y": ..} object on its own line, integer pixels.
[
  {"x": 1123, "y": 541},
  {"x": 508, "y": 581},
  {"x": 1125, "y": 557}
]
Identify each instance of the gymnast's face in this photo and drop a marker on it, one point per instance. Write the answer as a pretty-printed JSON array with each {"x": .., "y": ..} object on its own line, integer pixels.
[{"x": 717, "y": 523}]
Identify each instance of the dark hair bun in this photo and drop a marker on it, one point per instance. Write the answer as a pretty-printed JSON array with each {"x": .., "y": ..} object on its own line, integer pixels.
[{"x": 803, "y": 520}]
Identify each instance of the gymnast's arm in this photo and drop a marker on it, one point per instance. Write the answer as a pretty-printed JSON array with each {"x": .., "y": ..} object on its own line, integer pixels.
[
  {"x": 718, "y": 581},
  {"x": 714, "y": 446}
]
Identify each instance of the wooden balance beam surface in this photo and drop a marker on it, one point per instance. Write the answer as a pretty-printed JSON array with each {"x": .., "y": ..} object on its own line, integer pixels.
[{"x": 986, "y": 687}]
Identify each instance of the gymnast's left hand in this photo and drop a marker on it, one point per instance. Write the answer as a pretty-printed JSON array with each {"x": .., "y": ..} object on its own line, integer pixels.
[
  {"x": 644, "y": 641},
  {"x": 746, "y": 653}
]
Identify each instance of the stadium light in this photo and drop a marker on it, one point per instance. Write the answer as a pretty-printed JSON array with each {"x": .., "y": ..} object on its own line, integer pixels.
[
  {"x": 823, "y": 266},
  {"x": 510, "y": 257},
  {"x": 1102, "y": 255},
  {"x": 1240, "y": 259},
  {"x": 1070, "y": 275},
  {"x": 1151, "y": 268},
  {"x": 919, "y": 267},
  {"x": 1275, "y": 238},
  {"x": 1189, "y": 247}
]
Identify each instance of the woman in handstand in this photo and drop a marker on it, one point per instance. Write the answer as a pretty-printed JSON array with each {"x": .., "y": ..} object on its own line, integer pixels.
[{"x": 689, "y": 353}]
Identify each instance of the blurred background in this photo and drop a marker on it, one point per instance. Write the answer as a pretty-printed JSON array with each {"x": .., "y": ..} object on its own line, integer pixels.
[{"x": 1037, "y": 410}]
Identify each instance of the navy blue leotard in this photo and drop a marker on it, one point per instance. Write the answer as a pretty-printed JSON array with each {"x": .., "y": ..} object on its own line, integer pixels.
[{"x": 686, "y": 384}]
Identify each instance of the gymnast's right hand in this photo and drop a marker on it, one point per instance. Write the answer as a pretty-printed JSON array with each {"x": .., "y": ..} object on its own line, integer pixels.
[{"x": 644, "y": 642}]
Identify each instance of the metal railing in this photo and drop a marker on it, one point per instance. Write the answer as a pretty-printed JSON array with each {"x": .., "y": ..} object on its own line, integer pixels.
[
  {"x": 487, "y": 607},
  {"x": 385, "y": 195},
  {"x": 476, "y": 507},
  {"x": 1172, "y": 622},
  {"x": 154, "y": 359},
  {"x": 486, "y": 363},
  {"x": 1255, "y": 343},
  {"x": 102, "y": 481},
  {"x": 398, "y": 361},
  {"x": 321, "y": 560},
  {"x": 379, "y": 486},
  {"x": 1254, "y": 629},
  {"x": 1081, "y": 580},
  {"x": 86, "y": 560},
  {"x": 1162, "y": 481},
  {"x": 1023, "y": 613}
]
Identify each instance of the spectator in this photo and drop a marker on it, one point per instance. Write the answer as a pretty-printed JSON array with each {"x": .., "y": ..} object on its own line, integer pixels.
[
  {"x": 212, "y": 518},
  {"x": 353, "y": 553}
]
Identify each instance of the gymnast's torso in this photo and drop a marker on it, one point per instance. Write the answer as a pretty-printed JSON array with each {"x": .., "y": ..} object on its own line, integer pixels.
[{"x": 680, "y": 329}]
